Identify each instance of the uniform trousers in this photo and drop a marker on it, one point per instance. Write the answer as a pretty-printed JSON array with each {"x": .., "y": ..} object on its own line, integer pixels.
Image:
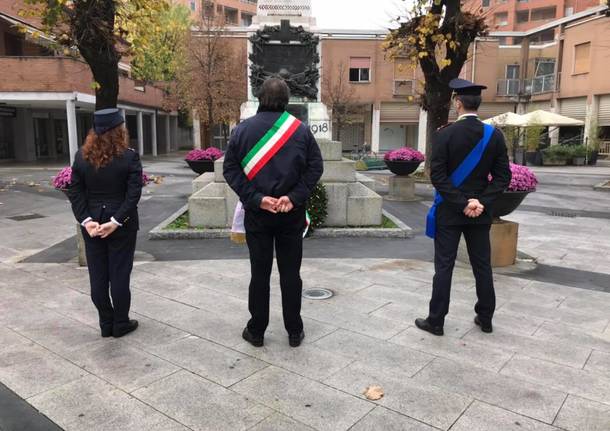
[
  {"x": 265, "y": 230},
  {"x": 110, "y": 262},
  {"x": 446, "y": 242}
]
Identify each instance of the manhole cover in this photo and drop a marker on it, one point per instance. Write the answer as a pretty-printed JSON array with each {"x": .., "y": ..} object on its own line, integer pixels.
[
  {"x": 23, "y": 217},
  {"x": 317, "y": 293}
]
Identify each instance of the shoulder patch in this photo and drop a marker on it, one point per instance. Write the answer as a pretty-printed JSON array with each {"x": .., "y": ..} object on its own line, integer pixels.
[{"x": 129, "y": 148}]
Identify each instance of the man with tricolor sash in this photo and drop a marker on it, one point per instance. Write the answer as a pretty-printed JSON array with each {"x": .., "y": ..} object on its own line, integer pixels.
[
  {"x": 273, "y": 163},
  {"x": 464, "y": 155}
]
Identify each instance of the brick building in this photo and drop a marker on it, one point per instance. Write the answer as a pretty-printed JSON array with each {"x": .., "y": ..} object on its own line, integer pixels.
[
  {"x": 233, "y": 12},
  {"x": 47, "y": 100}
]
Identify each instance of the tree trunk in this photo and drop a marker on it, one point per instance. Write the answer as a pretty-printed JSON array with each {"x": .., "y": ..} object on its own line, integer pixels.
[{"x": 437, "y": 104}]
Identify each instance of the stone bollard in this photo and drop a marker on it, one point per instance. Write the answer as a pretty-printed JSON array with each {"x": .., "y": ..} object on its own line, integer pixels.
[
  {"x": 402, "y": 188},
  {"x": 503, "y": 238}
]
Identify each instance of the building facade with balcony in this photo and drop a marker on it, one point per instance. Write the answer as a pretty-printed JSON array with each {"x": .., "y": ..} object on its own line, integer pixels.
[
  {"x": 233, "y": 12},
  {"x": 47, "y": 100}
]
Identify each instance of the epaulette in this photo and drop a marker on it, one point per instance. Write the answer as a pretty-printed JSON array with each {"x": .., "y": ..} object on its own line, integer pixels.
[
  {"x": 442, "y": 127},
  {"x": 129, "y": 148}
]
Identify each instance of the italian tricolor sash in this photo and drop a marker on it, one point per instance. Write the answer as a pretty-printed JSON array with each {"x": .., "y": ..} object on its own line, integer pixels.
[{"x": 270, "y": 144}]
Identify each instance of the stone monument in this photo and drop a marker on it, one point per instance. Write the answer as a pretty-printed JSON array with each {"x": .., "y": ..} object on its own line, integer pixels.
[{"x": 278, "y": 48}]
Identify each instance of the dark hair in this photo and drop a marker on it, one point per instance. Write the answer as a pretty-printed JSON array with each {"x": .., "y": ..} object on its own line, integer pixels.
[
  {"x": 470, "y": 102},
  {"x": 274, "y": 95},
  {"x": 99, "y": 150}
]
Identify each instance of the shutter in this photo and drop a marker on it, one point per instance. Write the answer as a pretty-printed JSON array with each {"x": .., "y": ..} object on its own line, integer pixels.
[
  {"x": 575, "y": 107},
  {"x": 603, "y": 118},
  {"x": 581, "y": 57},
  {"x": 399, "y": 113},
  {"x": 537, "y": 106},
  {"x": 360, "y": 63},
  {"x": 488, "y": 110}
]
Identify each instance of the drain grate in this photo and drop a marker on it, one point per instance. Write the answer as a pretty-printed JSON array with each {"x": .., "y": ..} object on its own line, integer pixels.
[
  {"x": 24, "y": 217},
  {"x": 317, "y": 293},
  {"x": 562, "y": 214}
]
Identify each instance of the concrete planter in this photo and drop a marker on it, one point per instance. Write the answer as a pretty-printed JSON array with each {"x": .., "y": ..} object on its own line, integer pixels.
[
  {"x": 402, "y": 167},
  {"x": 201, "y": 166}
]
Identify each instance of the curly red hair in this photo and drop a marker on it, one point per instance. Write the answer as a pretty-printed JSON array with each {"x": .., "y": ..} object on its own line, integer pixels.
[{"x": 99, "y": 150}]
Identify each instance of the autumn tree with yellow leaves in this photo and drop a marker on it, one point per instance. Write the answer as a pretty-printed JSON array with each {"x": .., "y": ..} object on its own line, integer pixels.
[
  {"x": 103, "y": 31},
  {"x": 436, "y": 36}
]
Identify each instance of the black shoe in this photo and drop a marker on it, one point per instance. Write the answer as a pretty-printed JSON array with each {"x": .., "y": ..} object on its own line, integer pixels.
[
  {"x": 295, "y": 339},
  {"x": 121, "y": 331},
  {"x": 425, "y": 325},
  {"x": 250, "y": 338},
  {"x": 485, "y": 327},
  {"x": 106, "y": 331}
]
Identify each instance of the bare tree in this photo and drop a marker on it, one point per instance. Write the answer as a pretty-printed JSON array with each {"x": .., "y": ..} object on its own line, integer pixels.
[
  {"x": 340, "y": 96},
  {"x": 212, "y": 81}
]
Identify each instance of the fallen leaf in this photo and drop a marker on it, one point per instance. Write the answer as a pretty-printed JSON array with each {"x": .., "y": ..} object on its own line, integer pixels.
[{"x": 373, "y": 393}]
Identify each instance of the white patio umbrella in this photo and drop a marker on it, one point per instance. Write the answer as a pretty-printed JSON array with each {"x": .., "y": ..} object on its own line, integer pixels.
[
  {"x": 505, "y": 120},
  {"x": 542, "y": 118}
]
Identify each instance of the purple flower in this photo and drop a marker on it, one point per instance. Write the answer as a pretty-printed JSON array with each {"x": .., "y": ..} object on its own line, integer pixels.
[
  {"x": 63, "y": 179},
  {"x": 523, "y": 180},
  {"x": 211, "y": 153},
  {"x": 404, "y": 154},
  {"x": 146, "y": 179}
]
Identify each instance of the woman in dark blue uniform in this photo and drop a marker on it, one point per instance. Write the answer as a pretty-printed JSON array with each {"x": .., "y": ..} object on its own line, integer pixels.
[{"x": 104, "y": 193}]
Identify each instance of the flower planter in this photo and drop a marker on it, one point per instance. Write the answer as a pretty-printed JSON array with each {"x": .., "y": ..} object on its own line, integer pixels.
[
  {"x": 578, "y": 161},
  {"x": 201, "y": 166},
  {"x": 593, "y": 158},
  {"x": 533, "y": 158},
  {"x": 507, "y": 203},
  {"x": 402, "y": 167},
  {"x": 554, "y": 161}
]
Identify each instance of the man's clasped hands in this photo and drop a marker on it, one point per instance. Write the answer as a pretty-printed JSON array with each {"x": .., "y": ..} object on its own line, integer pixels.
[
  {"x": 277, "y": 205},
  {"x": 94, "y": 229},
  {"x": 474, "y": 208}
]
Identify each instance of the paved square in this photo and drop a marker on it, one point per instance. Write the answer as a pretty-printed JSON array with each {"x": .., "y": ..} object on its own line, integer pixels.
[{"x": 544, "y": 368}]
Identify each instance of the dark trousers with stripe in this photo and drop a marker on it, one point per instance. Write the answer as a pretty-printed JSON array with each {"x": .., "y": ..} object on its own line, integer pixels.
[
  {"x": 446, "y": 244},
  {"x": 284, "y": 232},
  {"x": 110, "y": 262}
]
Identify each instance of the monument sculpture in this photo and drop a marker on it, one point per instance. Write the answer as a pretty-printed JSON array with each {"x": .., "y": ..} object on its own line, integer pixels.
[{"x": 282, "y": 43}]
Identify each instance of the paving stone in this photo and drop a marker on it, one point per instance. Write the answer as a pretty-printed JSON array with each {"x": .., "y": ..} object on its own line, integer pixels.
[
  {"x": 573, "y": 381},
  {"x": 202, "y": 405},
  {"x": 517, "y": 395},
  {"x": 314, "y": 330},
  {"x": 472, "y": 352},
  {"x": 29, "y": 369},
  {"x": 483, "y": 417},
  {"x": 92, "y": 404},
  {"x": 423, "y": 402},
  {"x": 573, "y": 336},
  {"x": 578, "y": 414},
  {"x": 353, "y": 320},
  {"x": 307, "y": 401},
  {"x": 219, "y": 328},
  {"x": 387, "y": 420},
  {"x": 592, "y": 322},
  {"x": 122, "y": 365},
  {"x": 530, "y": 346},
  {"x": 382, "y": 354},
  {"x": 152, "y": 333},
  {"x": 278, "y": 422},
  {"x": 599, "y": 362},
  {"x": 215, "y": 301},
  {"x": 157, "y": 307},
  {"x": 210, "y": 360}
]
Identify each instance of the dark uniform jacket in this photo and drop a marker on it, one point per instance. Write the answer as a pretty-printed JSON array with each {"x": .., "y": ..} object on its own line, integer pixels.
[
  {"x": 293, "y": 171},
  {"x": 111, "y": 191},
  {"x": 450, "y": 146}
]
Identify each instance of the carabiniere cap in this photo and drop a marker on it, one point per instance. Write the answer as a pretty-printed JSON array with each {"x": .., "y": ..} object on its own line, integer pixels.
[
  {"x": 107, "y": 119},
  {"x": 464, "y": 87}
]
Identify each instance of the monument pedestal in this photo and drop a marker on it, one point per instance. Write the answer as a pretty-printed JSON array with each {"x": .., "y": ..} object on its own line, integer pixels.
[
  {"x": 503, "y": 238},
  {"x": 402, "y": 188}
]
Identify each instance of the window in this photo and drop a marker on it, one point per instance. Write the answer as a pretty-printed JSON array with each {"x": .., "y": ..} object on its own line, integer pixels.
[
  {"x": 523, "y": 16},
  {"x": 512, "y": 71},
  {"x": 544, "y": 66},
  {"x": 193, "y": 6},
  {"x": 246, "y": 19},
  {"x": 581, "y": 58},
  {"x": 543, "y": 13},
  {"x": 403, "y": 78},
  {"x": 501, "y": 1},
  {"x": 569, "y": 11},
  {"x": 485, "y": 3},
  {"x": 501, "y": 19},
  {"x": 360, "y": 69},
  {"x": 231, "y": 15}
]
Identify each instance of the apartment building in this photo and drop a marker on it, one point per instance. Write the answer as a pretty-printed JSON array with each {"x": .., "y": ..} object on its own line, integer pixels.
[
  {"x": 233, "y": 12},
  {"x": 47, "y": 99}
]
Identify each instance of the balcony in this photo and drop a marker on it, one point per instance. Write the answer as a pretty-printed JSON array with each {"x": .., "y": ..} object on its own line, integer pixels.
[{"x": 538, "y": 85}]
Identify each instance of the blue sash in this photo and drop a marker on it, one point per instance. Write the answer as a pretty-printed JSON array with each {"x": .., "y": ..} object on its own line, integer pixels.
[{"x": 457, "y": 178}]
